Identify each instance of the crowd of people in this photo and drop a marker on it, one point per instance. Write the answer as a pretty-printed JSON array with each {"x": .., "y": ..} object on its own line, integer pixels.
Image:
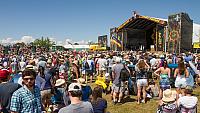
[{"x": 74, "y": 81}]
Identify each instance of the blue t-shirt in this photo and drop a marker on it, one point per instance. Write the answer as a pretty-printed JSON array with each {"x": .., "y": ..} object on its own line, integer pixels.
[
  {"x": 99, "y": 106},
  {"x": 48, "y": 80},
  {"x": 16, "y": 78},
  {"x": 57, "y": 98},
  {"x": 86, "y": 92}
]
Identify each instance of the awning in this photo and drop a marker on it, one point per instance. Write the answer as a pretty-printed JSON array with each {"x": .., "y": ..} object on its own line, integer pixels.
[{"x": 141, "y": 22}]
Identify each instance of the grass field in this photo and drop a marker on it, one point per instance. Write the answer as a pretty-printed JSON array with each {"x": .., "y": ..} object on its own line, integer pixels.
[{"x": 130, "y": 104}]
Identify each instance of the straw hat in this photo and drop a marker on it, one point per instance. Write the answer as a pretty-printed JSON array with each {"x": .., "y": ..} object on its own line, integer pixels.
[
  {"x": 168, "y": 96},
  {"x": 59, "y": 82},
  {"x": 29, "y": 66},
  {"x": 81, "y": 81}
]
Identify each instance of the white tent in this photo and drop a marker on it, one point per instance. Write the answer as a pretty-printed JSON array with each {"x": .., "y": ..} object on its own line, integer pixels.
[{"x": 69, "y": 46}]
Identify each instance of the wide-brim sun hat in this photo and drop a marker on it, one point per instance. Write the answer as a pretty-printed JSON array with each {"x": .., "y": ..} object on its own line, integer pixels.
[
  {"x": 60, "y": 82},
  {"x": 81, "y": 81},
  {"x": 168, "y": 96}
]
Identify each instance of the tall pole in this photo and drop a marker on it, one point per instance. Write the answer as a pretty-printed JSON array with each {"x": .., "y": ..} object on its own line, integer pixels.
[
  {"x": 156, "y": 38},
  {"x": 166, "y": 38},
  {"x": 122, "y": 40},
  {"x": 180, "y": 35}
]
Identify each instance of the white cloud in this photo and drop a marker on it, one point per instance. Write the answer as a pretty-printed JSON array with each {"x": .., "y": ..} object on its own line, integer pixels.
[
  {"x": 28, "y": 39},
  {"x": 6, "y": 41},
  {"x": 60, "y": 43},
  {"x": 82, "y": 42},
  {"x": 25, "y": 39},
  {"x": 52, "y": 39}
]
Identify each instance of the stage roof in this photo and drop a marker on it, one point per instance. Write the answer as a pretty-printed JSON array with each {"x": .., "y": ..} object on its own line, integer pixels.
[{"x": 141, "y": 22}]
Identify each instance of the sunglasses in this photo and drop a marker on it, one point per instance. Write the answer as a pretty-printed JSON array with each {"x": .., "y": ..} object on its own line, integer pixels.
[{"x": 29, "y": 79}]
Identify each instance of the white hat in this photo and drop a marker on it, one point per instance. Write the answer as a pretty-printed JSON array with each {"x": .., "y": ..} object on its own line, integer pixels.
[
  {"x": 60, "y": 82},
  {"x": 168, "y": 96},
  {"x": 74, "y": 87},
  {"x": 81, "y": 81}
]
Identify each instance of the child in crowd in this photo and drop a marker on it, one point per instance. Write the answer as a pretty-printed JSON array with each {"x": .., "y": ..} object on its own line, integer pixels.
[
  {"x": 152, "y": 90},
  {"x": 103, "y": 81}
]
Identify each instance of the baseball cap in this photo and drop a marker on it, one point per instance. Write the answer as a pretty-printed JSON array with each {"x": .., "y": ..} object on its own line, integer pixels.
[
  {"x": 74, "y": 87},
  {"x": 4, "y": 74}
]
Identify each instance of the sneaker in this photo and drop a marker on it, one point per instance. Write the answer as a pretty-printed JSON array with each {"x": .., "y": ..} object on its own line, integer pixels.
[
  {"x": 149, "y": 96},
  {"x": 143, "y": 101},
  {"x": 119, "y": 101}
]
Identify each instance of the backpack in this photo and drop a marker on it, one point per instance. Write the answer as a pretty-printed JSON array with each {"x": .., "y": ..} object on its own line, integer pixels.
[
  {"x": 124, "y": 74},
  {"x": 87, "y": 66}
]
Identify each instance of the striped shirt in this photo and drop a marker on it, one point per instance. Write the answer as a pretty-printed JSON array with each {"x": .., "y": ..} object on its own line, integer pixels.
[{"x": 24, "y": 101}]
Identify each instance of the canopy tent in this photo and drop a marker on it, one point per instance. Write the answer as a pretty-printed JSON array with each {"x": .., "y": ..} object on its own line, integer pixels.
[{"x": 139, "y": 31}]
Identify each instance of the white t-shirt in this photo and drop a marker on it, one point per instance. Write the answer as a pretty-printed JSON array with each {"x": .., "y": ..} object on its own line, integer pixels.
[
  {"x": 188, "y": 101},
  {"x": 153, "y": 61},
  {"x": 102, "y": 64}
]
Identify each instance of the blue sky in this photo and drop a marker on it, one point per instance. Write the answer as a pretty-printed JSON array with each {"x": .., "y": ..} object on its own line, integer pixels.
[{"x": 81, "y": 19}]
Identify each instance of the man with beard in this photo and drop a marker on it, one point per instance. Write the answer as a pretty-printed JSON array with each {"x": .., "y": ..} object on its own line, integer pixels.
[{"x": 27, "y": 99}]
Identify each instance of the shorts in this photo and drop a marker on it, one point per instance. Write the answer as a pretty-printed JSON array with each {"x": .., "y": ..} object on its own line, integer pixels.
[
  {"x": 142, "y": 82},
  {"x": 164, "y": 84},
  {"x": 89, "y": 72},
  {"x": 164, "y": 87},
  {"x": 118, "y": 89},
  {"x": 180, "y": 82}
]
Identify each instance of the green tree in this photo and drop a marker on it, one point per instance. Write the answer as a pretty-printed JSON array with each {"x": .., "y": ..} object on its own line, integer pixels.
[{"x": 43, "y": 43}]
